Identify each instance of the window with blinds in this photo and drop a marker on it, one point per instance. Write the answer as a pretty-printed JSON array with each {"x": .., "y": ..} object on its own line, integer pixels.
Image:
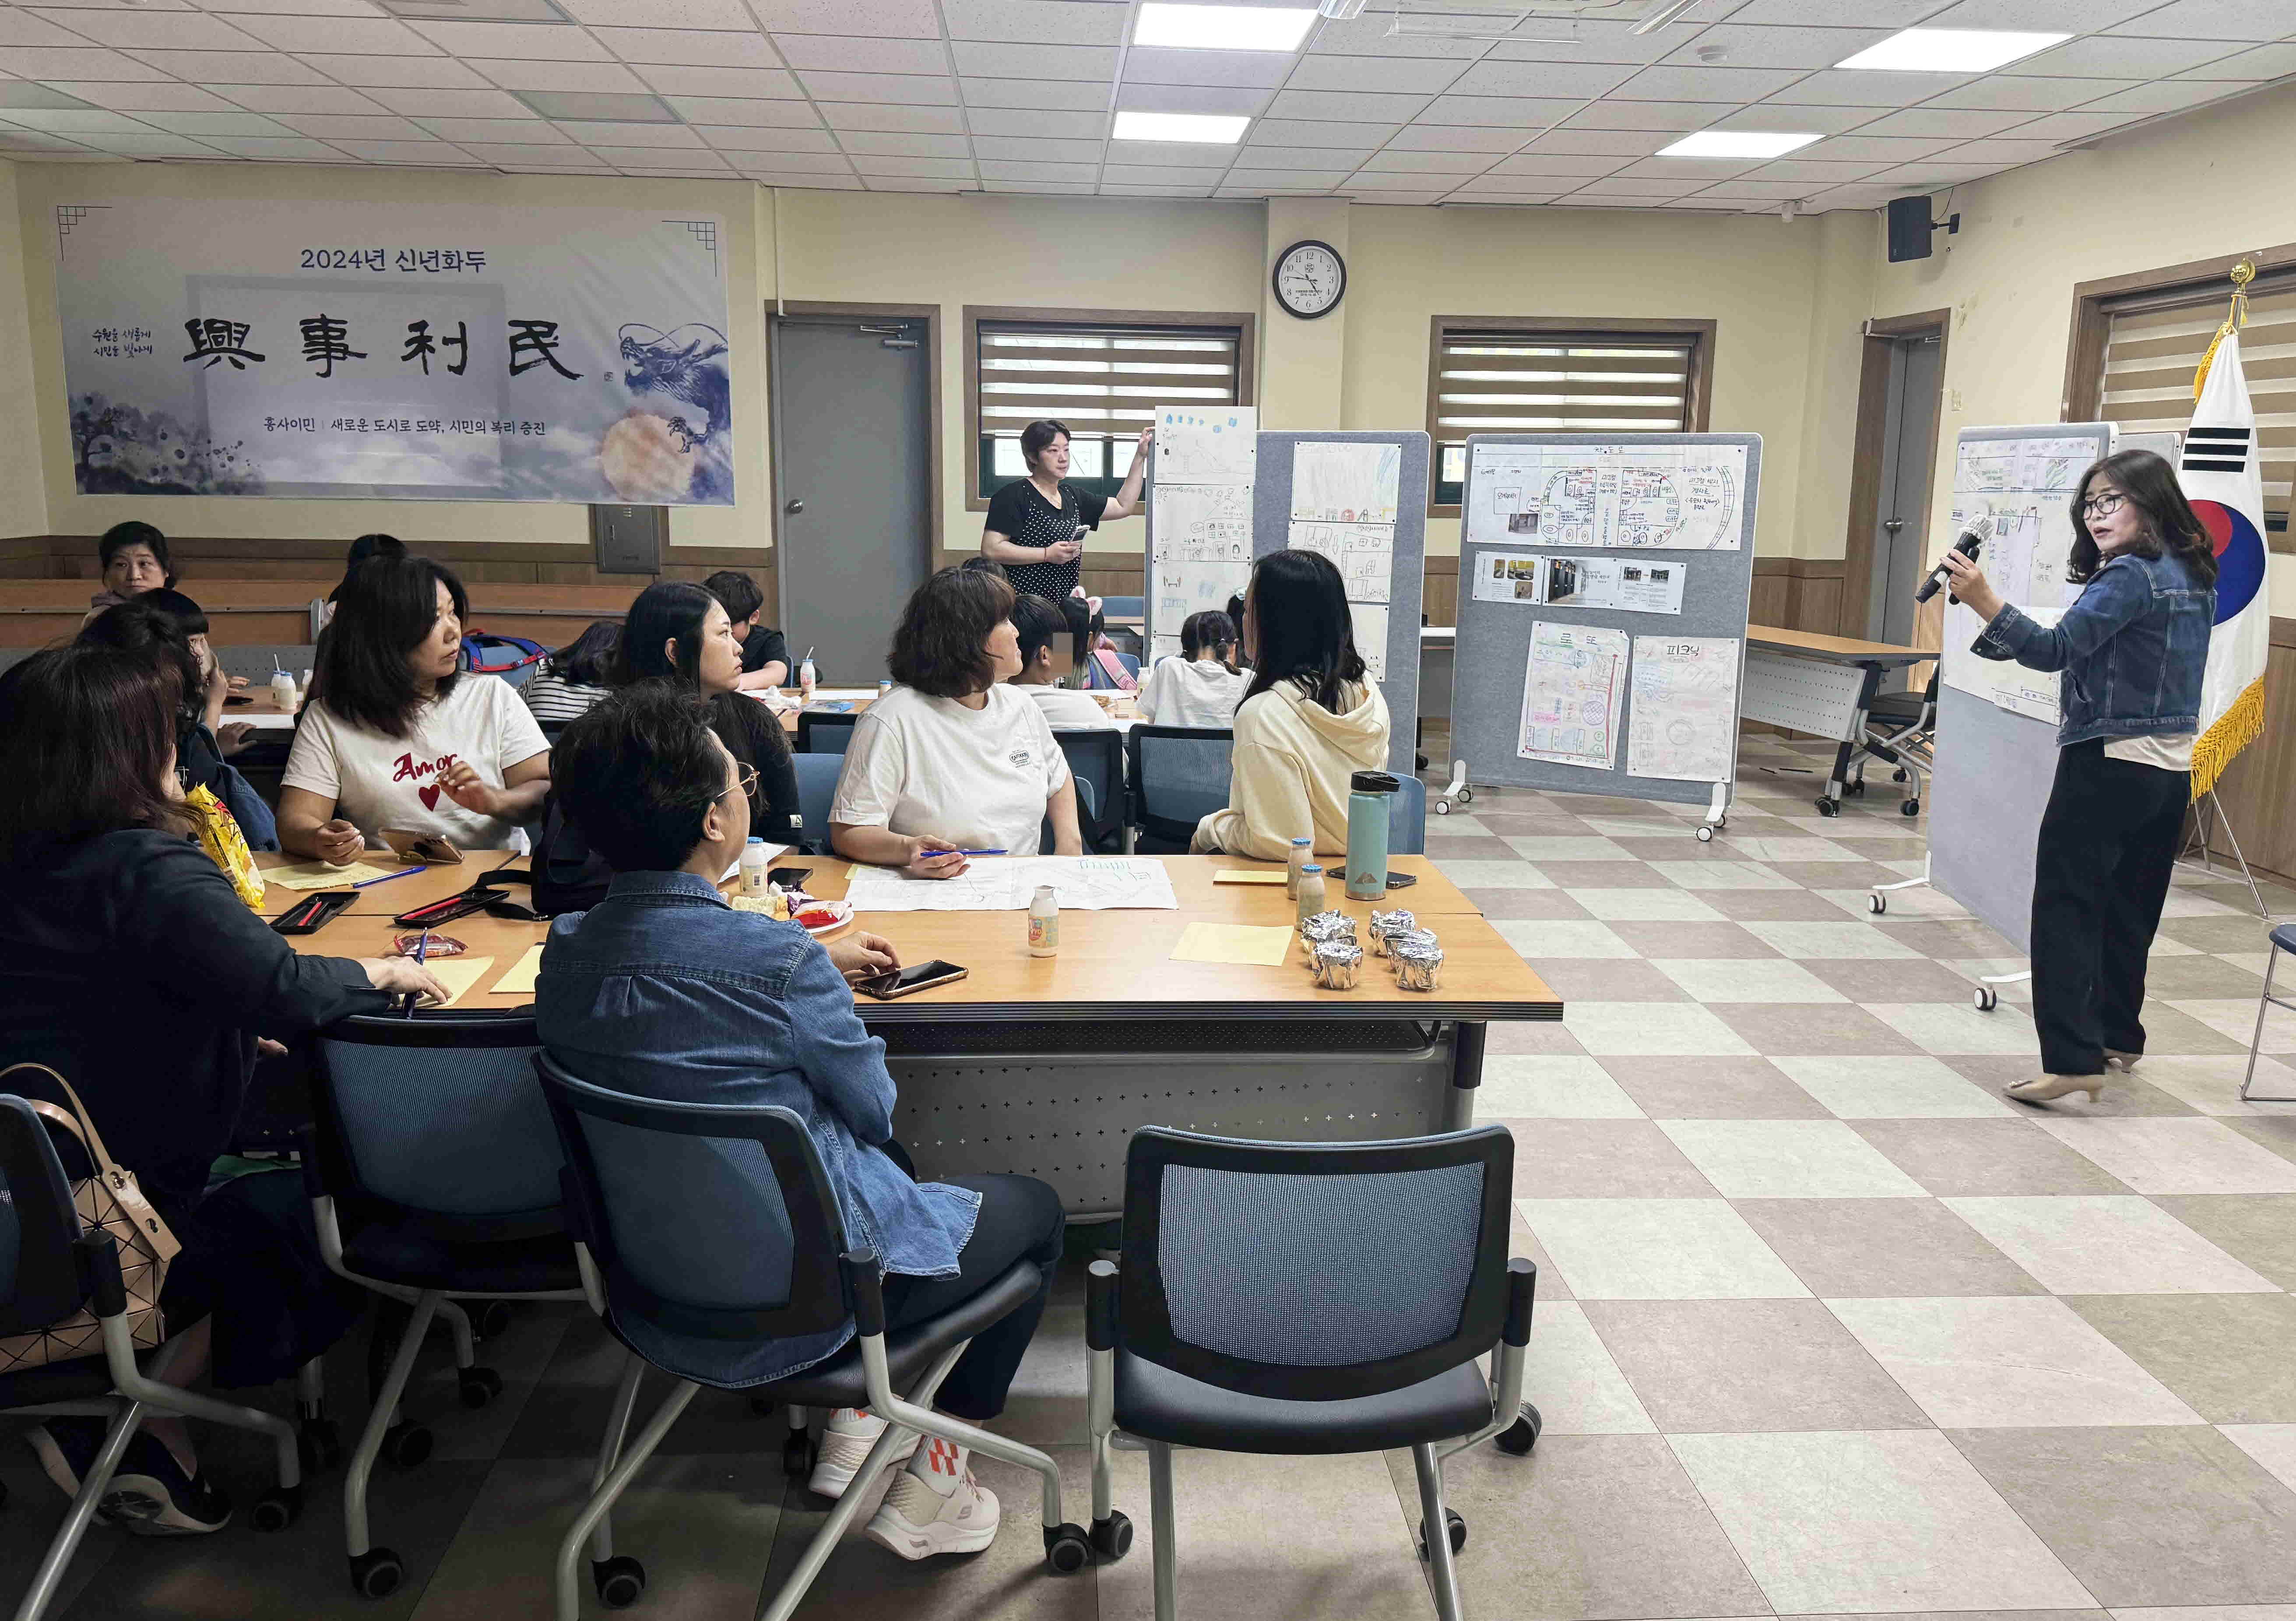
[
  {"x": 2153, "y": 343},
  {"x": 1103, "y": 380},
  {"x": 1495, "y": 381}
]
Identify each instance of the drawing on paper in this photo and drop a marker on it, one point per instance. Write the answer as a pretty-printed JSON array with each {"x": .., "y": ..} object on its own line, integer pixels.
[
  {"x": 1363, "y": 553},
  {"x": 1673, "y": 496},
  {"x": 1371, "y": 636},
  {"x": 1342, "y": 481},
  {"x": 2026, "y": 485},
  {"x": 1207, "y": 445},
  {"x": 1574, "y": 684},
  {"x": 1684, "y": 714}
]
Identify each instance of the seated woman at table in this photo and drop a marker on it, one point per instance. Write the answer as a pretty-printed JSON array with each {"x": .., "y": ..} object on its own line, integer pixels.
[
  {"x": 395, "y": 735},
  {"x": 363, "y": 551},
  {"x": 1203, "y": 684},
  {"x": 135, "y": 560},
  {"x": 1051, "y": 636},
  {"x": 953, "y": 759},
  {"x": 1310, "y": 719},
  {"x": 130, "y": 966},
  {"x": 575, "y": 677},
  {"x": 665, "y": 991}
]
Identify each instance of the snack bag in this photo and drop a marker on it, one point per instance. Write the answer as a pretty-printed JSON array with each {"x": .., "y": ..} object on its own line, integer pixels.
[{"x": 226, "y": 846}]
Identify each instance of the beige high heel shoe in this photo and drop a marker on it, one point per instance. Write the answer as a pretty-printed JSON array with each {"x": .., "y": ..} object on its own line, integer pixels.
[
  {"x": 2125, "y": 1062},
  {"x": 2041, "y": 1089}
]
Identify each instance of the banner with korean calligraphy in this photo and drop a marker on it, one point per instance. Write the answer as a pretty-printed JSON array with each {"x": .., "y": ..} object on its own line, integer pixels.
[{"x": 406, "y": 351}]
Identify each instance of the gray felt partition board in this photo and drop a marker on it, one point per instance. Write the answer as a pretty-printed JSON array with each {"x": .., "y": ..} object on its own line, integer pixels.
[
  {"x": 1271, "y": 531},
  {"x": 1494, "y": 647}
]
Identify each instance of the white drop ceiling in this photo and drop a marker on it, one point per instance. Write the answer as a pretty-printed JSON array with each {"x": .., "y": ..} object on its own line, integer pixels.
[{"x": 1449, "y": 101}]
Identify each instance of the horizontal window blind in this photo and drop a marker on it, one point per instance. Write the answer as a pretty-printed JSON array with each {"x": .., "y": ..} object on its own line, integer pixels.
[
  {"x": 2152, "y": 346},
  {"x": 1555, "y": 382},
  {"x": 1103, "y": 380}
]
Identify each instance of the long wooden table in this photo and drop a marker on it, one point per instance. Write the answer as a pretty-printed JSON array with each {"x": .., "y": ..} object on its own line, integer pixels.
[{"x": 1861, "y": 667}]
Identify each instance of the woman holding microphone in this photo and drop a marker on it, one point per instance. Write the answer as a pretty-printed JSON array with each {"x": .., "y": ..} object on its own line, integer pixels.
[
  {"x": 1036, "y": 525},
  {"x": 2132, "y": 648}
]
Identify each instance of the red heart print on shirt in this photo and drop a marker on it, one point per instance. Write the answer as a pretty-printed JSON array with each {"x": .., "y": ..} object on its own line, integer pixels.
[
  {"x": 429, "y": 796},
  {"x": 410, "y": 771}
]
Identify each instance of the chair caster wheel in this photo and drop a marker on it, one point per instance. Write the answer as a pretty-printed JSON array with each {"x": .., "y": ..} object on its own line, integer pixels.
[
  {"x": 620, "y": 1581},
  {"x": 1987, "y": 999},
  {"x": 1855, "y": 785},
  {"x": 1458, "y": 1526},
  {"x": 376, "y": 1573},
  {"x": 1912, "y": 807},
  {"x": 1112, "y": 1538},
  {"x": 1066, "y": 1549},
  {"x": 1705, "y": 835},
  {"x": 798, "y": 1454},
  {"x": 1520, "y": 1436},
  {"x": 405, "y": 1446},
  {"x": 275, "y": 1511},
  {"x": 1442, "y": 807},
  {"x": 1826, "y": 807},
  {"x": 319, "y": 1445},
  {"x": 1877, "y": 903},
  {"x": 479, "y": 1387},
  {"x": 1466, "y": 796},
  {"x": 1899, "y": 775},
  {"x": 491, "y": 1319}
]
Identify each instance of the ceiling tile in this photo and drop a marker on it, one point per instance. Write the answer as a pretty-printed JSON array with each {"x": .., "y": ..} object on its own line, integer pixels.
[
  {"x": 658, "y": 14},
  {"x": 1576, "y": 80},
  {"x": 1006, "y": 170},
  {"x": 216, "y": 123},
  {"x": 1629, "y": 185},
  {"x": 532, "y": 160},
  {"x": 986, "y": 61},
  {"x": 451, "y": 103},
  {"x": 90, "y": 65},
  {"x": 150, "y": 144},
  {"x": 1608, "y": 114},
  {"x": 1171, "y": 154},
  {"x": 2103, "y": 56},
  {"x": 2261, "y": 63},
  {"x": 796, "y": 162},
  {"x": 19, "y": 142},
  {"x": 1319, "y": 132},
  {"x": 340, "y": 35},
  {"x": 1031, "y": 121},
  {"x": 1874, "y": 13},
  {"x": 409, "y": 73},
  {"x": 301, "y": 98},
  {"x": 1551, "y": 163},
  {"x": 232, "y": 67},
  {"x": 754, "y": 83},
  {"x": 2013, "y": 93},
  {"x": 1527, "y": 114},
  {"x": 1853, "y": 87},
  {"x": 1163, "y": 98},
  {"x": 23, "y": 92},
  {"x": 1345, "y": 107},
  {"x": 1260, "y": 69},
  {"x": 1352, "y": 191},
  {"x": 1801, "y": 116},
  {"x": 1740, "y": 84},
  {"x": 889, "y": 143},
  {"x": 732, "y": 138},
  {"x": 735, "y": 110},
  {"x": 1463, "y": 198},
  {"x": 1106, "y": 190},
  {"x": 1552, "y": 39},
  {"x": 683, "y": 159},
  {"x": 1997, "y": 152},
  {"x": 1456, "y": 138},
  {"x": 802, "y": 183},
  {"x": 1691, "y": 172},
  {"x": 1078, "y": 95},
  {"x": 838, "y": 53},
  {"x": 74, "y": 120},
  {"x": 2167, "y": 95},
  {"x": 1932, "y": 176},
  {"x": 23, "y": 29},
  {"x": 691, "y": 47},
  {"x": 2252, "y": 20},
  {"x": 1621, "y": 144},
  {"x": 417, "y": 154},
  {"x": 352, "y": 126},
  {"x": 609, "y": 77},
  {"x": 291, "y": 8},
  {"x": 1876, "y": 149},
  {"x": 1752, "y": 46},
  {"x": 2060, "y": 127},
  {"x": 1374, "y": 180},
  {"x": 1358, "y": 73},
  {"x": 1009, "y": 148},
  {"x": 498, "y": 132},
  {"x": 1756, "y": 191},
  {"x": 907, "y": 89},
  {"x": 1963, "y": 124},
  {"x": 522, "y": 41},
  {"x": 1432, "y": 162},
  {"x": 596, "y": 134},
  {"x": 1042, "y": 188},
  {"x": 283, "y": 149},
  {"x": 885, "y": 183},
  {"x": 1809, "y": 169},
  {"x": 2071, "y": 16},
  {"x": 879, "y": 19},
  {"x": 1164, "y": 174},
  {"x": 146, "y": 98},
  {"x": 1581, "y": 200},
  {"x": 153, "y": 31},
  {"x": 1349, "y": 157},
  {"x": 876, "y": 115},
  {"x": 941, "y": 168},
  {"x": 1702, "y": 205},
  {"x": 1369, "y": 35},
  {"x": 1035, "y": 21}
]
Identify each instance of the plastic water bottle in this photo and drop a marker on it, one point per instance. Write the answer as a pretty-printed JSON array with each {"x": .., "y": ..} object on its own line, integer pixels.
[
  {"x": 1311, "y": 892},
  {"x": 1302, "y": 851},
  {"x": 753, "y": 867},
  {"x": 807, "y": 676},
  {"x": 1369, "y": 795},
  {"x": 1045, "y": 923}
]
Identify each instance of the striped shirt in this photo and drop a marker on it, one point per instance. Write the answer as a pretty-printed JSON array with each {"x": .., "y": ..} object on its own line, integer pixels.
[{"x": 552, "y": 697}]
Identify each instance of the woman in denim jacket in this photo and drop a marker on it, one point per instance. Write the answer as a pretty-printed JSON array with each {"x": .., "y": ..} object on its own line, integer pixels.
[{"x": 2133, "y": 648}]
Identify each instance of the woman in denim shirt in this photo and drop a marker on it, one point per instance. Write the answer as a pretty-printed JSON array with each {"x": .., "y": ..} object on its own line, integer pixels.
[
  {"x": 662, "y": 990},
  {"x": 2133, "y": 648}
]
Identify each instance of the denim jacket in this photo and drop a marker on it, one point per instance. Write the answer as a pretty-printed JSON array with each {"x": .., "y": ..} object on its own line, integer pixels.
[
  {"x": 2133, "y": 648},
  {"x": 664, "y": 990}
]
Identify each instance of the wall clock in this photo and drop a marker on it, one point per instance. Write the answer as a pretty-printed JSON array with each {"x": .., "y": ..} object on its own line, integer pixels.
[{"x": 1310, "y": 279}]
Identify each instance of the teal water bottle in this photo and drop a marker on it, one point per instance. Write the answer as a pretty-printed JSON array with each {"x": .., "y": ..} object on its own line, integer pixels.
[{"x": 1368, "y": 794}]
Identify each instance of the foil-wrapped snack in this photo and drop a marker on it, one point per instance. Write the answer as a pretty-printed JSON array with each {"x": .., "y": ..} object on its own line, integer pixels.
[
  {"x": 1386, "y": 925},
  {"x": 1418, "y": 937},
  {"x": 1337, "y": 964},
  {"x": 1314, "y": 930},
  {"x": 1417, "y": 966}
]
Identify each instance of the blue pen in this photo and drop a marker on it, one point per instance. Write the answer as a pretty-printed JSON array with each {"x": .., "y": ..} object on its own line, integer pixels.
[
  {"x": 404, "y": 873},
  {"x": 422, "y": 950},
  {"x": 968, "y": 852}
]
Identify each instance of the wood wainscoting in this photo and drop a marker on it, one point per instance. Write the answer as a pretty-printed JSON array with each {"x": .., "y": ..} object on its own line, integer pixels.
[
  {"x": 2258, "y": 789},
  {"x": 1798, "y": 594}
]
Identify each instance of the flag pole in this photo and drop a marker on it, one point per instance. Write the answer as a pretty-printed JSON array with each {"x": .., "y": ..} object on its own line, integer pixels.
[{"x": 2205, "y": 808}]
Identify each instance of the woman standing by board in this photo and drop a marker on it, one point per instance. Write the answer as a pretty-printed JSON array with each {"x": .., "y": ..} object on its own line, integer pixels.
[{"x": 1036, "y": 525}]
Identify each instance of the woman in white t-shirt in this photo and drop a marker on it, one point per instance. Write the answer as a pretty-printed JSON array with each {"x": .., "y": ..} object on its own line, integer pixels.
[
  {"x": 1204, "y": 684},
  {"x": 395, "y": 736},
  {"x": 953, "y": 760}
]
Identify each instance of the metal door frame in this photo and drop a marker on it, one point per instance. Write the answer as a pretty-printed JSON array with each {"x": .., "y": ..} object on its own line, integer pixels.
[
  {"x": 1868, "y": 455},
  {"x": 815, "y": 312}
]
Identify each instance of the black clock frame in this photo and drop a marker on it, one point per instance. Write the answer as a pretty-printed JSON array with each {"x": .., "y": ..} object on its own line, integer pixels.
[{"x": 1276, "y": 279}]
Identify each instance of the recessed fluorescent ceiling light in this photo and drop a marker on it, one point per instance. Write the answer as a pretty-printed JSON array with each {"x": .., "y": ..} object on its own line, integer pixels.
[
  {"x": 1213, "y": 130},
  {"x": 1951, "y": 50},
  {"x": 1734, "y": 143},
  {"x": 1222, "y": 27}
]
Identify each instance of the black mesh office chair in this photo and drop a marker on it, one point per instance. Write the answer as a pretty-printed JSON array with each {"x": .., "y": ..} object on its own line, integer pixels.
[
  {"x": 1309, "y": 1298},
  {"x": 1177, "y": 775},
  {"x": 1901, "y": 732},
  {"x": 824, "y": 733},
  {"x": 1096, "y": 757}
]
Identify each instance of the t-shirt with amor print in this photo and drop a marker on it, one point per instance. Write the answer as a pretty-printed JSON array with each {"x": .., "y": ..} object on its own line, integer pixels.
[{"x": 379, "y": 782}]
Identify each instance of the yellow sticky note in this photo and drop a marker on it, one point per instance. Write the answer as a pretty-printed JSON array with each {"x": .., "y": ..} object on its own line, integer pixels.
[
  {"x": 318, "y": 875},
  {"x": 1233, "y": 943},
  {"x": 518, "y": 978},
  {"x": 1238, "y": 875},
  {"x": 458, "y": 975}
]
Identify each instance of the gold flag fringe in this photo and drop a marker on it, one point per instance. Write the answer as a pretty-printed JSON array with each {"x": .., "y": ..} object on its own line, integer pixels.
[{"x": 2233, "y": 731}]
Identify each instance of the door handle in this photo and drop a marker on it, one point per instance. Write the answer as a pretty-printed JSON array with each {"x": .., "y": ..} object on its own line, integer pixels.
[
  {"x": 1892, "y": 525},
  {"x": 794, "y": 507}
]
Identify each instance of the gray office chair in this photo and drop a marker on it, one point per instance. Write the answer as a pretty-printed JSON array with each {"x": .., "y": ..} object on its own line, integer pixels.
[
  {"x": 1096, "y": 757},
  {"x": 1407, "y": 819},
  {"x": 1901, "y": 732},
  {"x": 2284, "y": 939},
  {"x": 817, "y": 790},
  {"x": 1309, "y": 1298},
  {"x": 1177, "y": 775},
  {"x": 824, "y": 733}
]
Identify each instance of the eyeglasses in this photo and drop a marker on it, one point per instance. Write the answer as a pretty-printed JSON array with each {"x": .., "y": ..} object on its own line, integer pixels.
[
  {"x": 2104, "y": 505},
  {"x": 746, "y": 782}
]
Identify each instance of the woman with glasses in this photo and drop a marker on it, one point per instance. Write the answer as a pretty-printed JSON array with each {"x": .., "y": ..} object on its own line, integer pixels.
[{"x": 2133, "y": 648}]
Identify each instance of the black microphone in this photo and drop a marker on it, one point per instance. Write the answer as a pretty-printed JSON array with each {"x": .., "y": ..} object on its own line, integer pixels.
[{"x": 1973, "y": 539}]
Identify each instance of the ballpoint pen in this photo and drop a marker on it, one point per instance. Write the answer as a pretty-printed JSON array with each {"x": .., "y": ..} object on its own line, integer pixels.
[
  {"x": 422, "y": 950},
  {"x": 404, "y": 873}
]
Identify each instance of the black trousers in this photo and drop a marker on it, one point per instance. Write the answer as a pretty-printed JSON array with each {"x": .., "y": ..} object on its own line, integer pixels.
[
  {"x": 1021, "y": 1219},
  {"x": 2100, "y": 875}
]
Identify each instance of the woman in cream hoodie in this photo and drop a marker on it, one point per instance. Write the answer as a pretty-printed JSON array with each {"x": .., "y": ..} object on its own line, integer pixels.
[{"x": 1310, "y": 719}]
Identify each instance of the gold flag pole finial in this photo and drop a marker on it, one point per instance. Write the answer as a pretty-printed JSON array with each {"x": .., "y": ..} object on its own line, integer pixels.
[{"x": 2242, "y": 272}]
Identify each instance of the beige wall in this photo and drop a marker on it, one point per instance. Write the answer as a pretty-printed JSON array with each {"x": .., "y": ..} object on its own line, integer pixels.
[
  {"x": 2208, "y": 185},
  {"x": 24, "y": 495}
]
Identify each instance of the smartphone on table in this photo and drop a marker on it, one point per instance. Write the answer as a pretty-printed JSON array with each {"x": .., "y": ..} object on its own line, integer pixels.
[
  {"x": 789, "y": 877},
  {"x": 909, "y": 980}
]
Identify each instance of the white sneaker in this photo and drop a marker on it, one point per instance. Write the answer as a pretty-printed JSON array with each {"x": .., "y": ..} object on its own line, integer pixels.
[
  {"x": 845, "y": 1444},
  {"x": 936, "y": 1506}
]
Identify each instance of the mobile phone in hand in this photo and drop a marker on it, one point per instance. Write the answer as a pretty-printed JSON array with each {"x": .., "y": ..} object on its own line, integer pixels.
[{"x": 909, "y": 980}]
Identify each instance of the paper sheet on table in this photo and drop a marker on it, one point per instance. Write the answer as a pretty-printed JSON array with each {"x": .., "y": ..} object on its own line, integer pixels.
[
  {"x": 1005, "y": 883},
  {"x": 1239, "y": 875},
  {"x": 1686, "y": 707},
  {"x": 458, "y": 975},
  {"x": 1574, "y": 681},
  {"x": 1346, "y": 481},
  {"x": 318, "y": 875},
  {"x": 1206, "y": 445},
  {"x": 1233, "y": 943},
  {"x": 1363, "y": 553},
  {"x": 520, "y": 977}
]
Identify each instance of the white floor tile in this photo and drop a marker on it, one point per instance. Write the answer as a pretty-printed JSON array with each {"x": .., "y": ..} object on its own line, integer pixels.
[
  {"x": 1723, "y": 874},
  {"x": 1570, "y": 1377},
  {"x": 1746, "y": 979},
  {"x": 1493, "y": 874},
  {"x": 1920, "y": 900},
  {"x": 1538, "y": 1086},
  {"x": 1542, "y": 937},
  {"x": 1831, "y": 941},
  {"x": 1650, "y": 1029},
  {"x": 2106, "y": 1244},
  {"x": 1534, "y": 849},
  {"x": 1646, "y": 905},
  {"x": 2236, "y": 1018},
  {"x": 2171, "y": 1156},
  {"x": 1659, "y": 1249},
  {"x": 1957, "y": 1029},
  {"x": 2272, "y": 1445},
  {"x": 1789, "y": 1159},
  {"x": 1789, "y": 848},
  {"x": 1892, "y": 1088},
  {"x": 2212, "y": 1083}
]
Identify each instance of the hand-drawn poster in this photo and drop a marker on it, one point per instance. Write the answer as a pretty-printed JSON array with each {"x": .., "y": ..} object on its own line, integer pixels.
[
  {"x": 1685, "y": 716},
  {"x": 1574, "y": 683},
  {"x": 1346, "y": 481},
  {"x": 1363, "y": 553},
  {"x": 423, "y": 351},
  {"x": 1207, "y": 444},
  {"x": 1658, "y": 497}
]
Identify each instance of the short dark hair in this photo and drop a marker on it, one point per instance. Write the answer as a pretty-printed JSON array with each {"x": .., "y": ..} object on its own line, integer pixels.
[
  {"x": 362, "y": 550},
  {"x": 985, "y": 565},
  {"x": 143, "y": 626},
  {"x": 940, "y": 646},
  {"x": 1307, "y": 636},
  {"x": 1211, "y": 631},
  {"x": 638, "y": 772},
  {"x": 666, "y": 611},
  {"x": 120, "y": 536},
  {"x": 2170, "y": 523},
  {"x": 737, "y": 591},
  {"x": 385, "y": 610},
  {"x": 86, "y": 735},
  {"x": 1038, "y": 436},
  {"x": 587, "y": 660},
  {"x": 190, "y": 618},
  {"x": 1039, "y": 622}
]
